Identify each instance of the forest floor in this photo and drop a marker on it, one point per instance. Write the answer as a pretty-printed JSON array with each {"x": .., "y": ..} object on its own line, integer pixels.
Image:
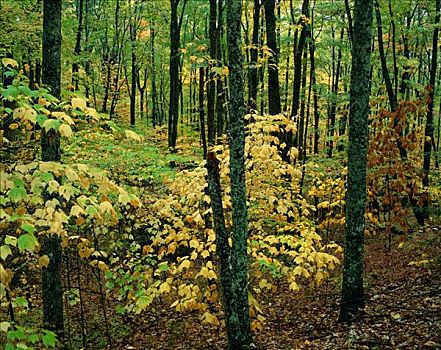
[{"x": 403, "y": 284}]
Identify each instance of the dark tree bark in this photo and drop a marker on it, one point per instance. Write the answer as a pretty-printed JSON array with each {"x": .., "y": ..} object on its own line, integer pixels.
[
  {"x": 219, "y": 84},
  {"x": 254, "y": 54},
  {"x": 352, "y": 288},
  {"x": 175, "y": 85},
  {"x": 133, "y": 27},
  {"x": 349, "y": 16},
  {"x": 315, "y": 97},
  {"x": 77, "y": 50},
  {"x": 429, "y": 130},
  {"x": 390, "y": 90},
  {"x": 153, "y": 77},
  {"x": 298, "y": 53},
  {"x": 201, "y": 111},
  {"x": 273, "y": 69},
  {"x": 142, "y": 92},
  {"x": 211, "y": 86},
  {"x": 235, "y": 291},
  {"x": 299, "y": 45},
  {"x": 50, "y": 149},
  {"x": 333, "y": 109},
  {"x": 301, "y": 129}
]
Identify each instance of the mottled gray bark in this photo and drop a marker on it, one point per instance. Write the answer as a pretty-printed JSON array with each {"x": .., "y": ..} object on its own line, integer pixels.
[
  {"x": 50, "y": 147},
  {"x": 237, "y": 307},
  {"x": 352, "y": 289}
]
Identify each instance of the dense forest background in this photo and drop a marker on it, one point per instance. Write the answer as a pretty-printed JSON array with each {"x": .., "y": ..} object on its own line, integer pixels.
[{"x": 203, "y": 174}]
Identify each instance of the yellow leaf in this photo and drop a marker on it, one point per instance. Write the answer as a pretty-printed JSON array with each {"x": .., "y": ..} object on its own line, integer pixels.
[
  {"x": 205, "y": 253},
  {"x": 65, "y": 130},
  {"x": 164, "y": 288},
  {"x": 184, "y": 264},
  {"x": 102, "y": 266},
  {"x": 4, "y": 326},
  {"x": 294, "y": 286},
  {"x": 76, "y": 210},
  {"x": 211, "y": 275},
  {"x": 132, "y": 135},
  {"x": 9, "y": 62},
  {"x": 25, "y": 114},
  {"x": 208, "y": 318},
  {"x": 43, "y": 261},
  {"x": 106, "y": 207},
  {"x": 79, "y": 103},
  {"x": 194, "y": 243}
]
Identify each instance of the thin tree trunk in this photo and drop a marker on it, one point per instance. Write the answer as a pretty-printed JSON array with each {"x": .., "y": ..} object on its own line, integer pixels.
[
  {"x": 333, "y": 109},
  {"x": 201, "y": 111},
  {"x": 219, "y": 84},
  {"x": 254, "y": 52},
  {"x": 352, "y": 288},
  {"x": 77, "y": 50},
  {"x": 273, "y": 69},
  {"x": 429, "y": 130}
]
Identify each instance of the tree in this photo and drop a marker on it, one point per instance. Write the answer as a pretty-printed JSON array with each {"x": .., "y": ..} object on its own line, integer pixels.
[
  {"x": 175, "y": 84},
  {"x": 235, "y": 283},
  {"x": 253, "y": 70},
  {"x": 429, "y": 130},
  {"x": 50, "y": 148},
  {"x": 352, "y": 288},
  {"x": 273, "y": 70}
]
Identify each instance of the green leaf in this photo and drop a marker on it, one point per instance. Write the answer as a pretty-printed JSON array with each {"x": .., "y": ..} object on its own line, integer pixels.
[
  {"x": 51, "y": 124},
  {"x": 21, "y": 302},
  {"x": 5, "y": 251},
  {"x": 33, "y": 338},
  {"x": 11, "y": 93},
  {"x": 47, "y": 176},
  {"x": 18, "y": 182},
  {"x": 163, "y": 266},
  {"x": 16, "y": 194},
  {"x": 41, "y": 118},
  {"x": 21, "y": 346},
  {"x": 9, "y": 346},
  {"x": 11, "y": 240},
  {"x": 29, "y": 228},
  {"x": 18, "y": 334},
  {"x": 49, "y": 339},
  {"x": 27, "y": 242},
  {"x": 91, "y": 210}
]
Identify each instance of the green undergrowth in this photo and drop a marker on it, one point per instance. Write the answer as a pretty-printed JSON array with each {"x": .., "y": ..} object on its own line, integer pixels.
[{"x": 133, "y": 162}]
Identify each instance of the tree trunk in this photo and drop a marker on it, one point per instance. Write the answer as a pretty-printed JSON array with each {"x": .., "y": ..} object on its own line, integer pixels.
[
  {"x": 352, "y": 289},
  {"x": 153, "y": 75},
  {"x": 254, "y": 53},
  {"x": 333, "y": 110},
  {"x": 315, "y": 97},
  {"x": 175, "y": 85},
  {"x": 77, "y": 50},
  {"x": 273, "y": 69},
  {"x": 429, "y": 130},
  {"x": 235, "y": 293},
  {"x": 219, "y": 84},
  {"x": 50, "y": 148},
  {"x": 201, "y": 111},
  {"x": 211, "y": 86}
]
